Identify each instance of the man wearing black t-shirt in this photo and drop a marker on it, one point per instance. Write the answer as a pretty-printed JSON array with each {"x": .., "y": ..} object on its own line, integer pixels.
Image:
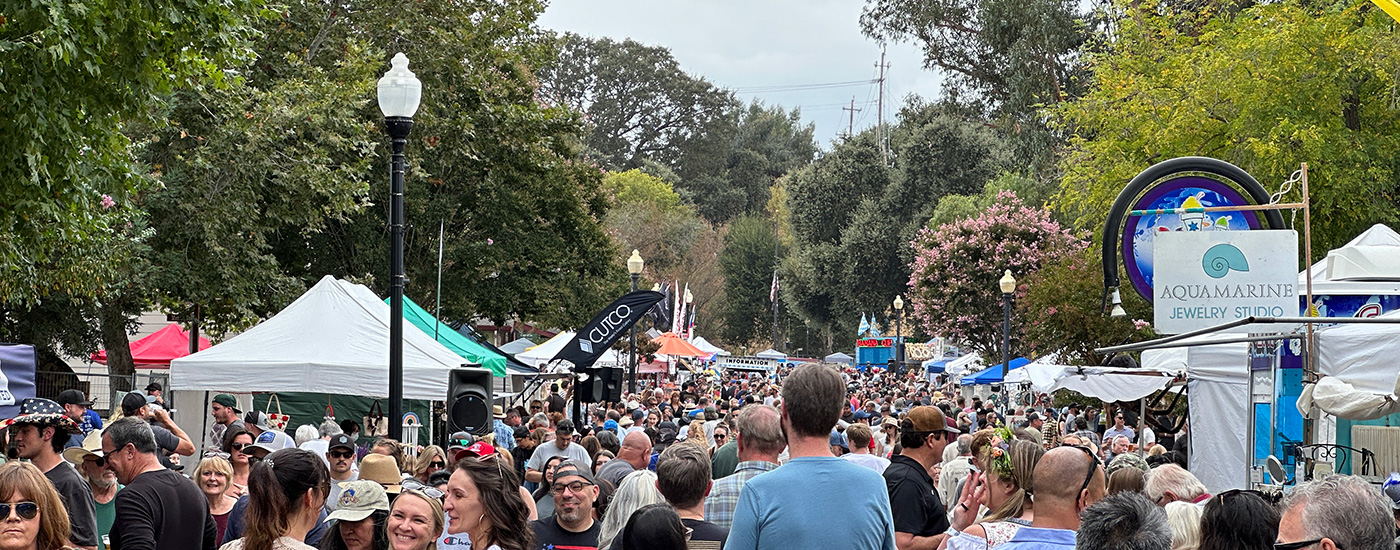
[
  {"x": 920, "y": 520},
  {"x": 158, "y": 509},
  {"x": 683, "y": 477},
  {"x": 572, "y": 524}
]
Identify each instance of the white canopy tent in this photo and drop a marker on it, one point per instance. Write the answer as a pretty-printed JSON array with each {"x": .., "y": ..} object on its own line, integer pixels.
[
  {"x": 1218, "y": 386},
  {"x": 541, "y": 354},
  {"x": 771, "y": 353},
  {"x": 1359, "y": 380},
  {"x": 516, "y": 346},
  {"x": 1103, "y": 383},
  {"x": 962, "y": 365},
  {"x": 705, "y": 346},
  {"x": 333, "y": 339},
  {"x": 839, "y": 357}
]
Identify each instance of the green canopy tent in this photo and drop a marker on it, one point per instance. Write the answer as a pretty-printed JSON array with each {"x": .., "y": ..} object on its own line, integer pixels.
[{"x": 453, "y": 340}]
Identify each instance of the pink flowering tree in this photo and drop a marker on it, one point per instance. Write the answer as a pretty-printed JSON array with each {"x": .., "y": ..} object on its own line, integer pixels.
[
  {"x": 953, "y": 286},
  {"x": 1063, "y": 311}
]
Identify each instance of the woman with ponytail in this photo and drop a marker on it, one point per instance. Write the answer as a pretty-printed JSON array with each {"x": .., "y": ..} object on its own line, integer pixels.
[{"x": 286, "y": 492}]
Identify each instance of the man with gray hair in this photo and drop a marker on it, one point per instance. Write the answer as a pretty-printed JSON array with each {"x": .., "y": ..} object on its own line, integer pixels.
[
  {"x": 1336, "y": 512},
  {"x": 955, "y": 471},
  {"x": 158, "y": 509},
  {"x": 760, "y": 441},
  {"x": 1123, "y": 521},
  {"x": 1171, "y": 483}
]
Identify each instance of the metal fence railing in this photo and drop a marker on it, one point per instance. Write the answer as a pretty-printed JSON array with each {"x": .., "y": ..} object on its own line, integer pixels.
[{"x": 105, "y": 390}]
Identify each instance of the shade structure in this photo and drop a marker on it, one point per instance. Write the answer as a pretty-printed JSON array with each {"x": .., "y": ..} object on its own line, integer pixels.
[
  {"x": 516, "y": 346},
  {"x": 675, "y": 346},
  {"x": 992, "y": 374},
  {"x": 158, "y": 349},
  {"x": 839, "y": 357},
  {"x": 541, "y": 354},
  {"x": 705, "y": 346},
  {"x": 333, "y": 339},
  {"x": 935, "y": 366},
  {"x": 459, "y": 344},
  {"x": 513, "y": 365},
  {"x": 771, "y": 353}
]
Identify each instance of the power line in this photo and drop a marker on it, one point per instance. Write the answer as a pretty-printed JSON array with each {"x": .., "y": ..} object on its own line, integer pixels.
[{"x": 800, "y": 87}]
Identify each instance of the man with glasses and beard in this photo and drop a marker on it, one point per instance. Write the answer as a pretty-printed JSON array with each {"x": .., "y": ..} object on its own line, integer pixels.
[
  {"x": 93, "y": 467},
  {"x": 572, "y": 524},
  {"x": 340, "y": 453}
]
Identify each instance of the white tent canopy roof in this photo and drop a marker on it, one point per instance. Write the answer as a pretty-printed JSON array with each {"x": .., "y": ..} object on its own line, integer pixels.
[
  {"x": 966, "y": 363},
  {"x": 1369, "y": 264},
  {"x": 541, "y": 354},
  {"x": 705, "y": 346},
  {"x": 516, "y": 346},
  {"x": 333, "y": 339},
  {"x": 839, "y": 357},
  {"x": 771, "y": 353}
]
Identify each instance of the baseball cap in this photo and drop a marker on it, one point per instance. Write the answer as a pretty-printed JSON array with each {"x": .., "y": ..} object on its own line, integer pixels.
[
  {"x": 275, "y": 440},
  {"x": 928, "y": 419},
  {"x": 666, "y": 432},
  {"x": 226, "y": 400},
  {"x": 341, "y": 441},
  {"x": 458, "y": 440},
  {"x": 638, "y": 414},
  {"x": 1391, "y": 488},
  {"x": 521, "y": 432},
  {"x": 359, "y": 499},
  {"x": 610, "y": 425},
  {"x": 255, "y": 419},
  {"x": 132, "y": 402},
  {"x": 480, "y": 448},
  {"x": 571, "y": 468},
  {"x": 73, "y": 397}
]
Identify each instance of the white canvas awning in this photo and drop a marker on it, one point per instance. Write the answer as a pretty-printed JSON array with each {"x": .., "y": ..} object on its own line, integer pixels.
[
  {"x": 706, "y": 346},
  {"x": 333, "y": 339},
  {"x": 771, "y": 353},
  {"x": 541, "y": 354}
]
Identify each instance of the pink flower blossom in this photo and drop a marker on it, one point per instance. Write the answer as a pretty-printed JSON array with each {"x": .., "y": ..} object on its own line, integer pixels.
[
  {"x": 107, "y": 202},
  {"x": 490, "y": 242},
  {"x": 1139, "y": 324}
]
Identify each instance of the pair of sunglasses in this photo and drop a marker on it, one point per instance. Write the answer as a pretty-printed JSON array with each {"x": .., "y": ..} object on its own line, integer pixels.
[
  {"x": 26, "y": 510},
  {"x": 342, "y": 454}
]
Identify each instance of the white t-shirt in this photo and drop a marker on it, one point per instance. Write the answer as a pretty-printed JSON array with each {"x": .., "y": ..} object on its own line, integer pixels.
[
  {"x": 869, "y": 461},
  {"x": 282, "y": 543},
  {"x": 459, "y": 541},
  {"x": 333, "y": 497}
]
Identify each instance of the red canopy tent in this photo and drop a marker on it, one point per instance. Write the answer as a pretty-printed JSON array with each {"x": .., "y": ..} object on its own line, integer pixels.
[{"x": 156, "y": 351}]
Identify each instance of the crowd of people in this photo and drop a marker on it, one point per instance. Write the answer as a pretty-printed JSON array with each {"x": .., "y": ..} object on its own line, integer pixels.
[{"x": 814, "y": 457}]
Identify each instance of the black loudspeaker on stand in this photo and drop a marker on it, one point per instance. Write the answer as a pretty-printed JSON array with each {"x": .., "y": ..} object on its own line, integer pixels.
[
  {"x": 469, "y": 401},
  {"x": 604, "y": 384}
]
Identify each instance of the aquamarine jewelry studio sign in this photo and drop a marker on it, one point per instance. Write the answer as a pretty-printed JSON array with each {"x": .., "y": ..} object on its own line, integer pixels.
[{"x": 1206, "y": 278}]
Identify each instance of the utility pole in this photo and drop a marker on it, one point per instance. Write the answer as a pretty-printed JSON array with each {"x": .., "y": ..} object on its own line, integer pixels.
[
  {"x": 880, "y": 109},
  {"x": 851, "y": 125}
]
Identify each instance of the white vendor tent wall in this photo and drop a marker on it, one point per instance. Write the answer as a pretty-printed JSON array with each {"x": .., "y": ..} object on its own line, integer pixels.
[
  {"x": 333, "y": 339},
  {"x": 1218, "y": 386}
]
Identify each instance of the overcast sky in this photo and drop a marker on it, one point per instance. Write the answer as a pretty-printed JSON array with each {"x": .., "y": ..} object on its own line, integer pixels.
[{"x": 748, "y": 44}]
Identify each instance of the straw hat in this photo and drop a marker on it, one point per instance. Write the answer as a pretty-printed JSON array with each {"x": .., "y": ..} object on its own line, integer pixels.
[
  {"x": 92, "y": 446},
  {"x": 382, "y": 469}
]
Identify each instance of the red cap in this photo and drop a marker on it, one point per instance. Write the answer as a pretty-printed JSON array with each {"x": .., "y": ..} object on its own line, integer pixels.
[{"x": 478, "y": 449}]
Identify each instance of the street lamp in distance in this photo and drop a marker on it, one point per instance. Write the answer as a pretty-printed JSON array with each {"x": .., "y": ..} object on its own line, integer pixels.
[
  {"x": 899, "y": 331},
  {"x": 399, "y": 95},
  {"x": 1008, "y": 285},
  {"x": 634, "y": 269}
]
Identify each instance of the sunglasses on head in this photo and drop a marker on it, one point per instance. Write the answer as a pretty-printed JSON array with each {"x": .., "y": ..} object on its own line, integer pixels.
[
  {"x": 26, "y": 510},
  {"x": 1092, "y": 466}
]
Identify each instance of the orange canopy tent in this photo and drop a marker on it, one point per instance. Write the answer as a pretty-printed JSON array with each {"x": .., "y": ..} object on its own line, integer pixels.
[
  {"x": 677, "y": 347},
  {"x": 156, "y": 351}
]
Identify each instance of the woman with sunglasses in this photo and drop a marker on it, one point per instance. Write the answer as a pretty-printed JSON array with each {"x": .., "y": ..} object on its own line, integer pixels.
[
  {"x": 415, "y": 521},
  {"x": 212, "y": 476},
  {"x": 432, "y": 459},
  {"x": 482, "y": 503},
  {"x": 286, "y": 491},
  {"x": 234, "y": 442},
  {"x": 31, "y": 513}
]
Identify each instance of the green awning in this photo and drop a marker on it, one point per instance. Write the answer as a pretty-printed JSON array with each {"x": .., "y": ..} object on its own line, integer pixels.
[{"x": 447, "y": 336}]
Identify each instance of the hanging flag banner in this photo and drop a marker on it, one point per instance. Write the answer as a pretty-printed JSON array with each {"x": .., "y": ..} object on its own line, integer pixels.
[
  {"x": 17, "y": 365},
  {"x": 864, "y": 326},
  {"x": 1206, "y": 278},
  {"x": 605, "y": 329}
]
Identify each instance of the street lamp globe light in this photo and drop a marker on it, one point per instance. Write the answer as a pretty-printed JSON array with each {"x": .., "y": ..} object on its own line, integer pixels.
[
  {"x": 898, "y": 303},
  {"x": 399, "y": 95},
  {"x": 899, "y": 332},
  {"x": 634, "y": 269},
  {"x": 1008, "y": 285}
]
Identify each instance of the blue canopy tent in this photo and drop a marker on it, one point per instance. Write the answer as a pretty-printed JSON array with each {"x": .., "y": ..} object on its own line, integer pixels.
[
  {"x": 992, "y": 374},
  {"x": 935, "y": 367}
]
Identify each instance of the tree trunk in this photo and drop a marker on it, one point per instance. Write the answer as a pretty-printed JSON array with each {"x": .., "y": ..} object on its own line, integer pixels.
[{"x": 118, "y": 344}]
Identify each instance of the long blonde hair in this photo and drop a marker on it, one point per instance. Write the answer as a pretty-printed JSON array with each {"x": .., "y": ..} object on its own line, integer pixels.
[
  {"x": 1024, "y": 455},
  {"x": 439, "y": 517},
  {"x": 697, "y": 434},
  {"x": 425, "y": 458}
]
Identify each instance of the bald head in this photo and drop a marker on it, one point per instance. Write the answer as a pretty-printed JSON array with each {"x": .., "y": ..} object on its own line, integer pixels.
[
  {"x": 1060, "y": 474},
  {"x": 636, "y": 449}
]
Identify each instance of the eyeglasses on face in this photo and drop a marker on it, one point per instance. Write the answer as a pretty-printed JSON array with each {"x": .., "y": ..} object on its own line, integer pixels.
[
  {"x": 575, "y": 487},
  {"x": 239, "y": 446},
  {"x": 26, "y": 510},
  {"x": 1299, "y": 545}
]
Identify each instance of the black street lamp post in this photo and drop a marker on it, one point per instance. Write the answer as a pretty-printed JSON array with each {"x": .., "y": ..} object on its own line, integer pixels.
[
  {"x": 634, "y": 269},
  {"x": 899, "y": 332},
  {"x": 399, "y": 95},
  {"x": 1007, "y": 284}
]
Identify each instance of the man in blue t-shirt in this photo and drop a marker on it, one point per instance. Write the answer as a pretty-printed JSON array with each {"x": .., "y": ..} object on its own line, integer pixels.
[{"x": 794, "y": 505}]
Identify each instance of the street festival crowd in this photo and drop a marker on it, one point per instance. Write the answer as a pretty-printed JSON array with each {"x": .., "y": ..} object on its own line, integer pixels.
[{"x": 810, "y": 457}]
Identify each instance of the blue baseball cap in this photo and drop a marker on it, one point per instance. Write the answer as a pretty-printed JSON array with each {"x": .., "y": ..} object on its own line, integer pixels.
[{"x": 610, "y": 425}]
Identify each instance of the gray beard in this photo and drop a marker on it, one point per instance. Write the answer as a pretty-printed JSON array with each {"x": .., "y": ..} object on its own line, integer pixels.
[{"x": 102, "y": 483}]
